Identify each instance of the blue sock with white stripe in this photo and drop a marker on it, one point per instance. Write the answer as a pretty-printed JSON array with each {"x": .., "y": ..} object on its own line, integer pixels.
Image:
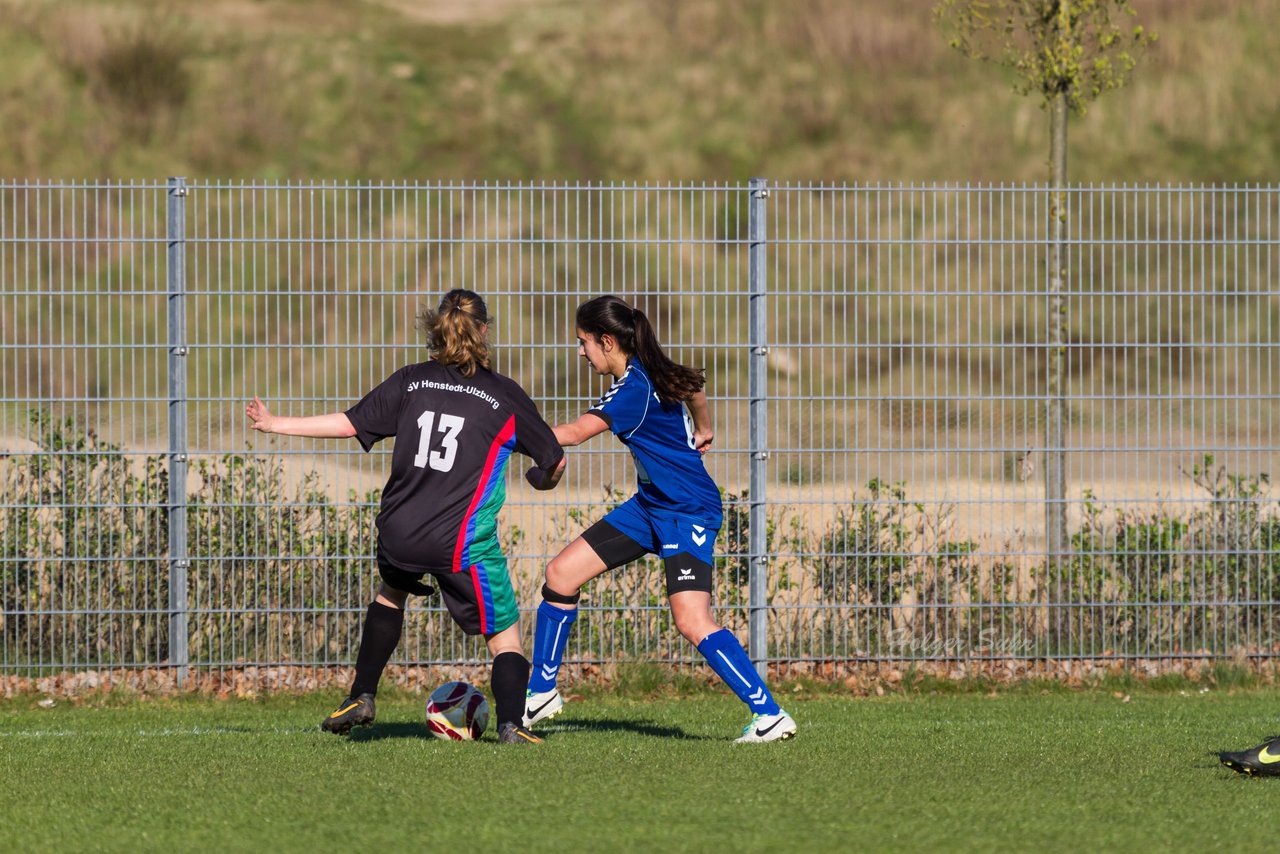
[
  {"x": 550, "y": 636},
  {"x": 730, "y": 662}
]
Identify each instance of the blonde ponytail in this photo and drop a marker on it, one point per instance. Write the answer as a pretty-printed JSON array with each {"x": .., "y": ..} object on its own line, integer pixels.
[{"x": 455, "y": 331}]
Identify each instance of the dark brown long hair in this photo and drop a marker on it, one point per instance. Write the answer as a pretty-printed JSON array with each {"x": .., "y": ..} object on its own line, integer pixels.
[
  {"x": 609, "y": 315},
  {"x": 455, "y": 333}
]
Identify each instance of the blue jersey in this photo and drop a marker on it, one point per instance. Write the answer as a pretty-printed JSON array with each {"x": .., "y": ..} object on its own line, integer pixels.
[{"x": 669, "y": 469}]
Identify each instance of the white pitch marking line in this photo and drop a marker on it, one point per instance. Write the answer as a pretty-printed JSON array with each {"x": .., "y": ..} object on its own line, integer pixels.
[{"x": 159, "y": 733}]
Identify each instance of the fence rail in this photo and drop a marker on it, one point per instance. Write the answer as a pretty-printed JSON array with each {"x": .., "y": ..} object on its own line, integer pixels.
[{"x": 880, "y": 367}]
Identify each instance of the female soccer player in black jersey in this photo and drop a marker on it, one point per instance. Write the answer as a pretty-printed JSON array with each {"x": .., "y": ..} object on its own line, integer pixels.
[{"x": 455, "y": 423}]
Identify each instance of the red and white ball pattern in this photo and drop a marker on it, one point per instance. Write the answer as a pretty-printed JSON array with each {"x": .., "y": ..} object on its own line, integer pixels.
[{"x": 457, "y": 711}]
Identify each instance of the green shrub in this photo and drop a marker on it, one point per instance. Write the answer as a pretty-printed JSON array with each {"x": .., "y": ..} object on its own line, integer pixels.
[
  {"x": 84, "y": 532},
  {"x": 280, "y": 571},
  {"x": 863, "y": 556}
]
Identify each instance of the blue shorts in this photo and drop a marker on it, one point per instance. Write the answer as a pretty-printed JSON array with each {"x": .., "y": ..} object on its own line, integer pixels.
[
  {"x": 664, "y": 534},
  {"x": 686, "y": 545}
]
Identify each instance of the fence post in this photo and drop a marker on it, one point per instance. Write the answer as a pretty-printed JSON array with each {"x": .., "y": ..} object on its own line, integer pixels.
[
  {"x": 178, "y": 559},
  {"x": 757, "y": 415},
  {"x": 1055, "y": 454}
]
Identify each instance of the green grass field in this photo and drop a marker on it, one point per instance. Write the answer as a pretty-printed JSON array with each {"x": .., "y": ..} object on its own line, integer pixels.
[{"x": 1026, "y": 770}]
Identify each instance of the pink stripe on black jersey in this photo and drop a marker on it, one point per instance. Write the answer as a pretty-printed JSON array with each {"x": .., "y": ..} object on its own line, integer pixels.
[{"x": 490, "y": 476}]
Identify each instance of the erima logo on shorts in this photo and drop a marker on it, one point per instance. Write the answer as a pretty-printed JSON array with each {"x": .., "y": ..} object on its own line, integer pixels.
[{"x": 685, "y": 575}]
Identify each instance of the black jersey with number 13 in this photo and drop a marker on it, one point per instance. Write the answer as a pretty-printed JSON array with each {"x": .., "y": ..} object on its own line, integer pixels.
[{"x": 454, "y": 435}]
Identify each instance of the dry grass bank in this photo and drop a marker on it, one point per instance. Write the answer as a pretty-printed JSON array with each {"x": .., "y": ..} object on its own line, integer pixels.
[{"x": 629, "y": 90}]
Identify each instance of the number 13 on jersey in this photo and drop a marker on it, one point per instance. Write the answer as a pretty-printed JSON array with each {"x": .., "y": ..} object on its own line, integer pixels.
[{"x": 440, "y": 459}]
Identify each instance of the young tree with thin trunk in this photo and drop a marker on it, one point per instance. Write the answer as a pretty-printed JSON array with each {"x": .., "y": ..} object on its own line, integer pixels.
[{"x": 1069, "y": 52}]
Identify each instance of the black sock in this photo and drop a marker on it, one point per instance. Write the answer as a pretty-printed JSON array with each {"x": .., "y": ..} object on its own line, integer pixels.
[
  {"x": 382, "y": 625},
  {"x": 510, "y": 681}
]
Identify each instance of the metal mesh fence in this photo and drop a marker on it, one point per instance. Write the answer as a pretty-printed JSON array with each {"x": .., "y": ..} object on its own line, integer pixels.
[{"x": 879, "y": 370}]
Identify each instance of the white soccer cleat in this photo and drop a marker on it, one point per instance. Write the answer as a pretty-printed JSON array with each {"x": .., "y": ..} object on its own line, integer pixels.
[
  {"x": 541, "y": 706},
  {"x": 768, "y": 728}
]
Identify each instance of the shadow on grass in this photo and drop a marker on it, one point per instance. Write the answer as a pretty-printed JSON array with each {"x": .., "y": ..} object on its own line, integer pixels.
[
  {"x": 408, "y": 729},
  {"x": 1210, "y": 759},
  {"x": 377, "y": 732},
  {"x": 648, "y": 728}
]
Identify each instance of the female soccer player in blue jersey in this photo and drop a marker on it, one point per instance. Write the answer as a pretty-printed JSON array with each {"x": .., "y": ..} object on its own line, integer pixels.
[
  {"x": 455, "y": 423},
  {"x": 658, "y": 409}
]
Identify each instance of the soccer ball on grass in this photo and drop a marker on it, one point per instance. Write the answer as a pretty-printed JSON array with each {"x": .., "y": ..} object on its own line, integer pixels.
[{"x": 457, "y": 711}]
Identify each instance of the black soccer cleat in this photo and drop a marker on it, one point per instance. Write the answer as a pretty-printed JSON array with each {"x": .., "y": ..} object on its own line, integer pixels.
[
  {"x": 1260, "y": 761},
  {"x": 354, "y": 711},
  {"x": 513, "y": 733}
]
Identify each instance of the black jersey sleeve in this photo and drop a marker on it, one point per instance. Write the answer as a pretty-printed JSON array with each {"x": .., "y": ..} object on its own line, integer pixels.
[
  {"x": 377, "y": 414},
  {"x": 534, "y": 437}
]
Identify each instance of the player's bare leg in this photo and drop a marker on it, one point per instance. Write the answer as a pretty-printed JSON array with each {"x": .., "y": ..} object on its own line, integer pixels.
[
  {"x": 568, "y": 571},
  {"x": 691, "y": 610}
]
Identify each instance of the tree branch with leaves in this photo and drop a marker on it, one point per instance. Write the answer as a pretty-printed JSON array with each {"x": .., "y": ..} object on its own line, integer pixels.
[{"x": 1076, "y": 49}]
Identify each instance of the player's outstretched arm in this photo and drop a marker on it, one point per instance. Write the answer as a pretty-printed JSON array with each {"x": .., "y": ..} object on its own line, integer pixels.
[
  {"x": 703, "y": 435},
  {"x": 577, "y": 432},
  {"x": 334, "y": 425}
]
